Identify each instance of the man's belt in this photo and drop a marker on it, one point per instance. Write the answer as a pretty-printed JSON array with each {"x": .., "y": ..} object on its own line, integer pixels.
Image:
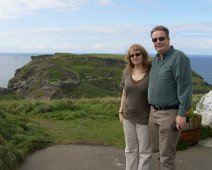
[{"x": 165, "y": 107}]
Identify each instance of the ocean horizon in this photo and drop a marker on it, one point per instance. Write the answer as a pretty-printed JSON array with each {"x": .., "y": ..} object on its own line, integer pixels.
[{"x": 10, "y": 62}]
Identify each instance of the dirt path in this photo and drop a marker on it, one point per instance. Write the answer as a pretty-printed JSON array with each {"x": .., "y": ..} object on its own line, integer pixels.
[{"x": 81, "y": 157}]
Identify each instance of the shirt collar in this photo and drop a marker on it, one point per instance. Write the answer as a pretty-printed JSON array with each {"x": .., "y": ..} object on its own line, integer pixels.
[{"x": 166, "y": 54}]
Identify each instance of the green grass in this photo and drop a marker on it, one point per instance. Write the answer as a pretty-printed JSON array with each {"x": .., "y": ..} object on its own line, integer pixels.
[
  {"x": 87, "y": 90},
  {"x": 92, "y": 75},
  {"x": 19, "y": 136},
  {"x": 27, "y": 125},
  {"x": 10, "y": 96},
  {"x": 199, "y": 86},
  {"x": 85, "y": 131}
]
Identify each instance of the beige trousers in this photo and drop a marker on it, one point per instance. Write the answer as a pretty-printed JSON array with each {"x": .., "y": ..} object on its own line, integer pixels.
[
  {"x": 163, "y": 138},
  {"x": 138, "y": 146}
]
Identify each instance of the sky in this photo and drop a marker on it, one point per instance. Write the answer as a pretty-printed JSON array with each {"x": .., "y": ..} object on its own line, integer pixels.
[{"x": 102, "y": 26}]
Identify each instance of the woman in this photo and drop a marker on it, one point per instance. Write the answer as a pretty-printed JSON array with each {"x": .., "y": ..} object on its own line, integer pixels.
[{"x": 134, "y": 109}]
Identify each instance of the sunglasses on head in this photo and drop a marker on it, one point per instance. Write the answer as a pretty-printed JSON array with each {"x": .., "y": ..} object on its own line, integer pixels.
[
  {"x": 135, "y": 54},
  {"x": 154, "y": 40}
]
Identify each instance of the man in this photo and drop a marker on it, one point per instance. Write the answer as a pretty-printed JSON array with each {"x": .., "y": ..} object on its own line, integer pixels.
[{"x": 169, "y": 94}]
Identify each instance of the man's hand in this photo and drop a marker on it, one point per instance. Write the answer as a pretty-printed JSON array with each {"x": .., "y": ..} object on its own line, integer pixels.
[{"x": 180, "y": 122}]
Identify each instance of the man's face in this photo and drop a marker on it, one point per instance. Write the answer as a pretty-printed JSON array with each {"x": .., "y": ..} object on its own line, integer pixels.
[{"x": 161, "y": 41}]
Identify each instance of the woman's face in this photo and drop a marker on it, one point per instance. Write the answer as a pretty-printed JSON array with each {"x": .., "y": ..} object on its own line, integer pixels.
[{"x": 135, "y": 57}]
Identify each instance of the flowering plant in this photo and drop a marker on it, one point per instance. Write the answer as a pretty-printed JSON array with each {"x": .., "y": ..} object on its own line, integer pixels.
[{"x": 191, "y": 114}]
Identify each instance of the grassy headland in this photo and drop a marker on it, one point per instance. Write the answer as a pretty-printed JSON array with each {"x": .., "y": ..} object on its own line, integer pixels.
[
  {"x": 88, "y": 86},
  {"x": 77, "y": 76}
]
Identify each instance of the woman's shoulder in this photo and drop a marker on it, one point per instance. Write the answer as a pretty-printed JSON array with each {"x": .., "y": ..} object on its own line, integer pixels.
[{"x": 126, "y": 72}]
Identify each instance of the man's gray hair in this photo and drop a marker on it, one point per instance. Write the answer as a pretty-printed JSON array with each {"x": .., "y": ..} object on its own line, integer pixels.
[{"x": 160, "y": 28}]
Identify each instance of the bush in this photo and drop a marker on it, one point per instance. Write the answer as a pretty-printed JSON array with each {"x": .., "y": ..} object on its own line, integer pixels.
[
  {"x": 19, "y": 134},
  {"x": 206, "y": 131},
  {"x": 9, "y": 157}
]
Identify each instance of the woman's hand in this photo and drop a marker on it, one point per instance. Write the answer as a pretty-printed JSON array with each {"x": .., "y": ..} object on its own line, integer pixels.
[{"x": 121, "y": 117}]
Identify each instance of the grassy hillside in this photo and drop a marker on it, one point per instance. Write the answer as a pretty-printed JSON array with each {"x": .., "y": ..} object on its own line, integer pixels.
[
  {"x": 200, "y": 86},
  {"x": 28, "y": 125},
  {"x": 99, "y": 76},
  {"x": 19, "y": 134},
  {"x": 66, "y": 75}
]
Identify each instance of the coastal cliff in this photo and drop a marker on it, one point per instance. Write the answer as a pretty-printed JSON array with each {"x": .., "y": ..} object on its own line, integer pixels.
[
  {"x": 64, "y": 75},
  {"x": 68, "y": 75}
]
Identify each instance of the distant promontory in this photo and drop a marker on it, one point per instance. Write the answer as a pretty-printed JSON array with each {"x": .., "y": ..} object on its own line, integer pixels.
[{"x": 65, "y": 75}]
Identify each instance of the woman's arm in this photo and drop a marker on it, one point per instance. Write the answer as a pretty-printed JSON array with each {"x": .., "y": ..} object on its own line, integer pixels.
[{"x": 121, "y": 109}]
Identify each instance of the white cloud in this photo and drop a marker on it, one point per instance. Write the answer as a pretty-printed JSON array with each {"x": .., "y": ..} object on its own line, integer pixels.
[
  {"x": 32, "y": 31},
  {"x": 82, "y": 29},
  {"x": 102, "y": 38},
  {"x": 85, "y": 37},
  {"x": 17, "y": 8},
  {"x": 105, "y": 2},
  {"x": 113, "y": 29},
  {"x": 192, "y": 37},
  {"x": 206, "y": 44},
  {"x": 192, "y": 27}
]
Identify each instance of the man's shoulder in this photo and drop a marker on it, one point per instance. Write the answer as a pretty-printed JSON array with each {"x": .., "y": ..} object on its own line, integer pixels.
[
  {"x": 179, "y": 58},
  {"x": 180, "y": 55},
  {"x": 179, "y": 52}
]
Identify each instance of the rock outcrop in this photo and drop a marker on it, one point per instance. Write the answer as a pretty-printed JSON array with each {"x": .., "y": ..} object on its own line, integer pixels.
[
  {"x": 204, "y": 107},
  {"x": 40, "y": 79},
  {"x": 60, "y": 75}
]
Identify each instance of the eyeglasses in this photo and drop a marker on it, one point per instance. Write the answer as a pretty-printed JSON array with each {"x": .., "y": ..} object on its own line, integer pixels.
[
  {"x": 135, "y": 54},
  {"x": 154, "y": 40}
]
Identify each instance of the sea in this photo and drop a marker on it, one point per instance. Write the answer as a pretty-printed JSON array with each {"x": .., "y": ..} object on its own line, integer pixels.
[
  {"x": 9, "y": 62},
  {"x": 202, "y": 64}
]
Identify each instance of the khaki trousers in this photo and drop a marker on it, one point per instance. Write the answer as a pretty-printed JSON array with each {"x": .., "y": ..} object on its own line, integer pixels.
[
  {"x": 163, "y": 138},
  {"x": 138, "y": 146}
]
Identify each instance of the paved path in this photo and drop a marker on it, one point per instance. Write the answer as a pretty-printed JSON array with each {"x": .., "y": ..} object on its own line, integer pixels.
[
  {"x": 81, "y": 157},
  {"x": 75, "y": 157}
]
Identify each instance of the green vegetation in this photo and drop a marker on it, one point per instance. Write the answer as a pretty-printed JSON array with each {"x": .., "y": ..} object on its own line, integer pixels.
[
  {"x": 200, "y": 86},
  {"x": 83, "y": 115},
  {"x": 27, "y": 125},
  {"x": 76, "y": 76},
  {"x": 206, "y": 131},
  {"x": 10, "y": 95},
  {"x": 19, "y": 135}
]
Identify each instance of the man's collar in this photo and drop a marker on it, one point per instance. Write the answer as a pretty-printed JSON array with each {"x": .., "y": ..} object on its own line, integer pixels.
[{"x": 166, "y": 54}]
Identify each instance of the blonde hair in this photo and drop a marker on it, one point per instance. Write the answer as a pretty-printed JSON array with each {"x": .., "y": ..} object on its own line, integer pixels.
[{"x": 145, "y": 58}]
